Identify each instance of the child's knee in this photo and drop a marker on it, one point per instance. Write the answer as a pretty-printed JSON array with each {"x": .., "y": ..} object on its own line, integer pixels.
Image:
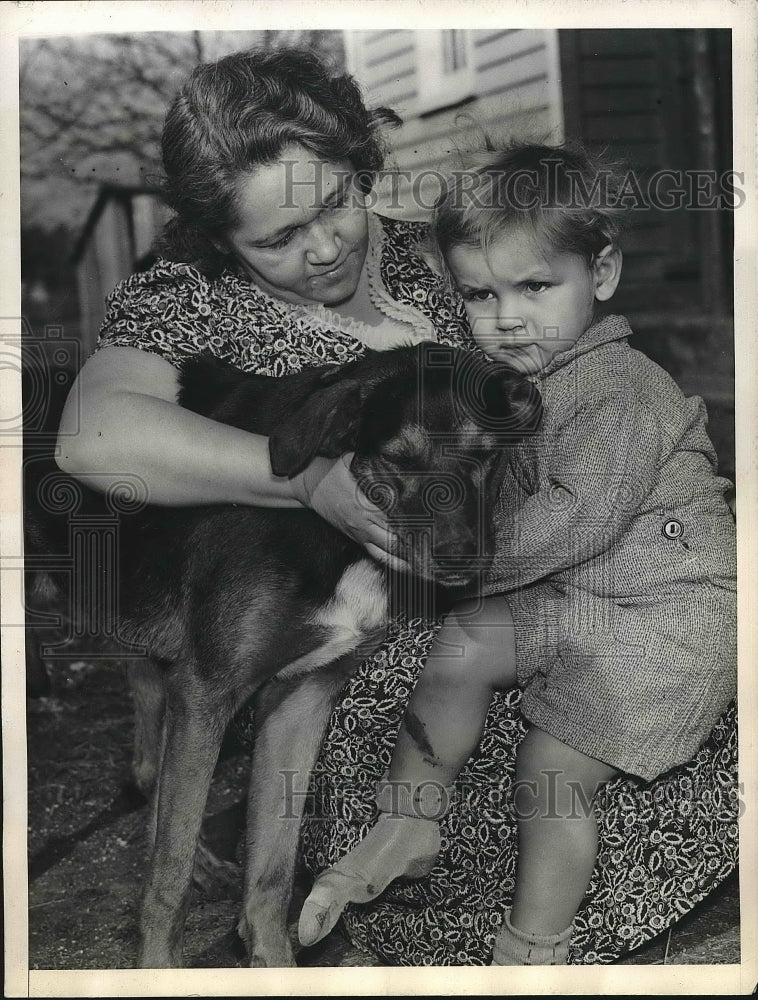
[
  {"x": 550, "y": 770},
  {"x": 477, "y": 621},
  {"x": 476, "y": 639}
]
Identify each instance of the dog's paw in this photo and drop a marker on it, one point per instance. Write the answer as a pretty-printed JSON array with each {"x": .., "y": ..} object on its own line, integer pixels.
[{"x": 273, "y": 952}]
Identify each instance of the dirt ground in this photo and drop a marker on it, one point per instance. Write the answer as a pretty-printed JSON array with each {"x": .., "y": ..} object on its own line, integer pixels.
[{"x": 86, "y": 848}]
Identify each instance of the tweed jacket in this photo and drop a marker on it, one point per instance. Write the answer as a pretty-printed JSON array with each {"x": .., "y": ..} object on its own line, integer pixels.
[{"x": 621, "y": 477}]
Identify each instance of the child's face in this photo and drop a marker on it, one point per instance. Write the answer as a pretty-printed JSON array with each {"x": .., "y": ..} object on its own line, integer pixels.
[{"x": 526, "y": 304}]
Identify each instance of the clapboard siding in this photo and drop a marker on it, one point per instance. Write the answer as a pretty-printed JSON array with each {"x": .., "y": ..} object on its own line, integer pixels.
[
  {"x": 461, "y": 139},
  {"x": 399, "y": 83},
  {"x": 482, "y": 38},
  {"x": 403, "y": 67},
  {"x": 381, "y": 42},
  {"x": 375, "y": 36},
  {"x": 386, "y": 67},
  {"x": 528, "y": 115},
  {"x": 515, "y": 91},
  {"x": 628, "y": 92},
  {"x": 394, "y": 48},
  {"x": 496, "y": 47},
  {"x": 517, "y": 67},
  {"x": 508, "y": 77}
]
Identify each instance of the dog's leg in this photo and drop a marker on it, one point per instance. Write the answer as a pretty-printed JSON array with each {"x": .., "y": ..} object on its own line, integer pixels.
[
  {"x": 215, "y": 877},
  {"x": 147, "y": 687},
  {"x": 293, "y": 721},
  {"x": 194, "y": 728}
]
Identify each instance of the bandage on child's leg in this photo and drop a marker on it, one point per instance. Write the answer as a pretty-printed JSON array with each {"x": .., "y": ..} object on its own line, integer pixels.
[{"x": 404, "y": 843}]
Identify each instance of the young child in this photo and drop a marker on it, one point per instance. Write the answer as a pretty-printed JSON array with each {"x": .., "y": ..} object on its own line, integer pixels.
[{"x": 613, "y": 595}]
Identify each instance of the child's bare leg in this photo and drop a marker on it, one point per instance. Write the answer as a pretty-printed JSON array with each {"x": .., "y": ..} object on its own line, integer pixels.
[
  {"x": 557, "y": 848},
  {"x": 473, "y": 654}
]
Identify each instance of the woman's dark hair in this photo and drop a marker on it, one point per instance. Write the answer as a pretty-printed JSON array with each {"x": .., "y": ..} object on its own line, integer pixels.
[
  {"x": 563, "y": 195},
  {"x": 241, "y": 112}
]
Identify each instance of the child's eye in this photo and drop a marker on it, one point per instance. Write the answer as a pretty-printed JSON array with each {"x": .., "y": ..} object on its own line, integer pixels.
[{"x": 536, "y": 286}]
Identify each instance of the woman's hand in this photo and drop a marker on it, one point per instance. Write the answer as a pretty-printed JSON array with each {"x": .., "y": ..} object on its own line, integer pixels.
[{"x": 329, "y": 488}]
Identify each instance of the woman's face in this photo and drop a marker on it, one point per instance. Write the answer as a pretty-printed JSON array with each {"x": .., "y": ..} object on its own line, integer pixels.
[{"x": 303, "y": 231}]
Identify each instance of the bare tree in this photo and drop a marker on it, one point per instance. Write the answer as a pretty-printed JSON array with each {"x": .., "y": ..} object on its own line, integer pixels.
[{"x": 92, "y": 107}]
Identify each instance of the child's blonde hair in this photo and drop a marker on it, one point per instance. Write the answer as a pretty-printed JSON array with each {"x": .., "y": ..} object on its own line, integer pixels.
[{"x": 565, "y": 197}]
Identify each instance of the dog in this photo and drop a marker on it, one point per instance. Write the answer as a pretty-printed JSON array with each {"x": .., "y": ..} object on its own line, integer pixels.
[{"x": 276, "y": 606}]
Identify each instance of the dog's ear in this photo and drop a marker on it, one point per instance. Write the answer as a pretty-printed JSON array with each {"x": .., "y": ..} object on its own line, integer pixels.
[{"x": 326, "y": 424}]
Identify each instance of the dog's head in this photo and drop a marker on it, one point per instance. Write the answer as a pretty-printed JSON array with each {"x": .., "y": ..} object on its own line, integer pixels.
[{"x": 431, "y": 427}]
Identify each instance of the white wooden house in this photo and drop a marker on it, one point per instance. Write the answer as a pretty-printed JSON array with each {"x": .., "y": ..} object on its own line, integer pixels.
[
  {"x": 447, "y": 85},
  {"x": 451, "y": 86}
]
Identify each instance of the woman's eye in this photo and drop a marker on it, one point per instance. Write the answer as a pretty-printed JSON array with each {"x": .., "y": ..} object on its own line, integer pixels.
[
  {"x": 536, "y": 286},
  {"x": 339, "y": 203},
  {"x": 287, "y": 238}
]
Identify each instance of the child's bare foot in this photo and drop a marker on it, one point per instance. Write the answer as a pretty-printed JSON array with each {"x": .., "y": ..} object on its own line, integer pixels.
[{"x": 397, "y": 847}]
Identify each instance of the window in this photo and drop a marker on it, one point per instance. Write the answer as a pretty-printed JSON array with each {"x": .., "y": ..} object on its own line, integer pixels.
[{"x": 445, "y": 61}]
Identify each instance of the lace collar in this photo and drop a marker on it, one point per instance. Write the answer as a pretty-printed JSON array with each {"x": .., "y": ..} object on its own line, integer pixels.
[{"x": 408, "y": 324}]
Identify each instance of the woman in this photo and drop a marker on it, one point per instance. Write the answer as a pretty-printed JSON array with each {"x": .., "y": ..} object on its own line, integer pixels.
[{"x": 274, "y": 263}]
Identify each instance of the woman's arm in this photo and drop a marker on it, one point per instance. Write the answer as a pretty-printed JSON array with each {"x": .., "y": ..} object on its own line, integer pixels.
[{"x": 122, "y": 416}]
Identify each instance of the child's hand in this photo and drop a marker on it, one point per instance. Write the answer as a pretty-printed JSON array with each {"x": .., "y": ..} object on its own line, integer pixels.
[{"x": 329, "y": 488}]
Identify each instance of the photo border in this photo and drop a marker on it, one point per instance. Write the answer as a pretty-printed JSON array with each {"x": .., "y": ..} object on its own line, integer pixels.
[{"x": 25, "y": 20}]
